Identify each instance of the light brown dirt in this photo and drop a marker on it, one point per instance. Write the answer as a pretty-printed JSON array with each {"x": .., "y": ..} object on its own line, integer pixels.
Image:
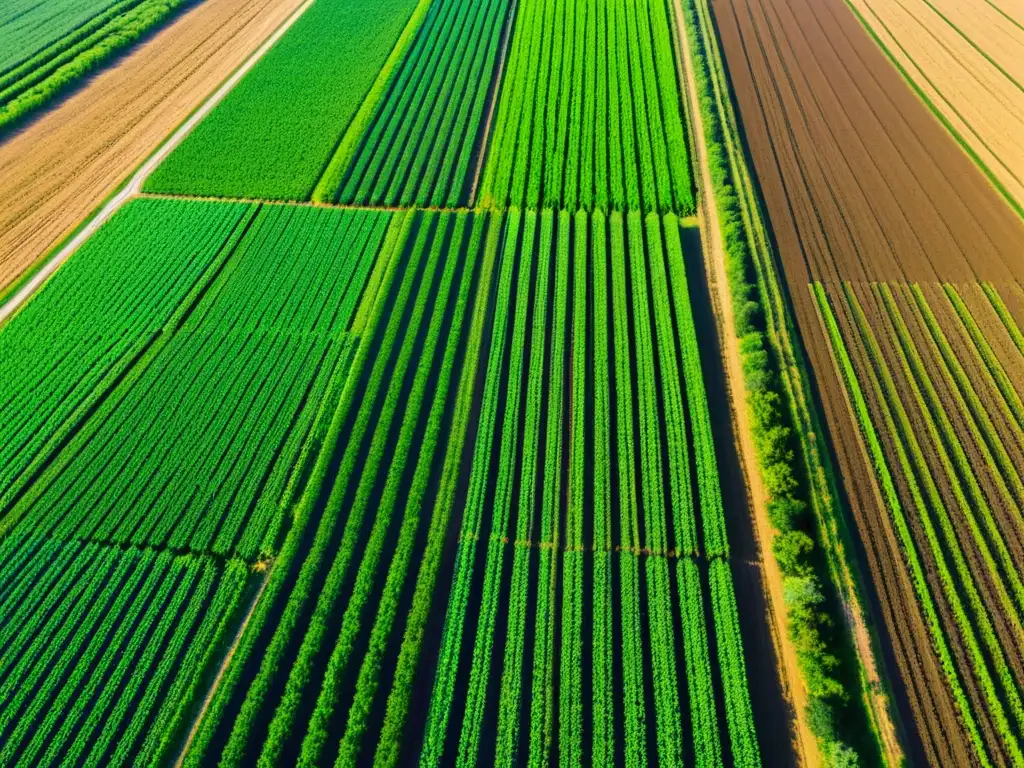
[
  {"x": 862, "y": 184},
  {"x": 63, "y": 164},
  {"x": 969, "y": 59}
]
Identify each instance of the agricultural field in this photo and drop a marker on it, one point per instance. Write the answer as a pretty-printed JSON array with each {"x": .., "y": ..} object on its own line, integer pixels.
[
  {"x": 58, "y": 167},
  {"x": 49, "y": 47},
  {"x": 276, "y": 131},
  {"x": 419, "y": 143},
  {"x": 903, "y": 267},
  {"x": 512, "y": 382},
  {"x": 578, "y": 130},
  {"x": 967, "y": 61}
]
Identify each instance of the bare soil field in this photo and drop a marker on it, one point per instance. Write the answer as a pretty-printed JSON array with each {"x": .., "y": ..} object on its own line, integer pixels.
[
  {"x": 863, "y": 185},
  {"x": 63, "y": 164},
  {"x": 968, "y": 59}
]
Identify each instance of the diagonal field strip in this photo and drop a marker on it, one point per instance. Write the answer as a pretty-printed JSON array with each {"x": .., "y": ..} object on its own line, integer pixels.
[{"x": 135, "y": 182}]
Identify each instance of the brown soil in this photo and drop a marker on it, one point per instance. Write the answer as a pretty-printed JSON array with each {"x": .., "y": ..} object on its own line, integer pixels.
[
  {"x": 862, "y": 184},
  {"x": 62, "y": 165}
]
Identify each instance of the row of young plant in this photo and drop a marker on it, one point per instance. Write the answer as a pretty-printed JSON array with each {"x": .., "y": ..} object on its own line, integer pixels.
[
  {"x": 925, "y": 501},
  {"x": 417, "y": 147},
  {"x": 989, "y": 440},
  {"x": 117, "y": 313},
  {"x": 104, "y": 665},
  {"x": 589, "y": 113},
  {"x": 61, "y": 65},
  {"x": 286, "y": 600},
  {"x": 815, "y": 621},
  {"x": 275, "y": 132},
  {"x": 1002, "y": 695},
  {"x": 229, "y": 391}
]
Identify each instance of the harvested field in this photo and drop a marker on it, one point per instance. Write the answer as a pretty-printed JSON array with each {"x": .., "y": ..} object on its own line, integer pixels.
[
  {"x": 968, "y": 60},
  {"x": 60, "y": 167},
  {"x": 863, "y": 186}
]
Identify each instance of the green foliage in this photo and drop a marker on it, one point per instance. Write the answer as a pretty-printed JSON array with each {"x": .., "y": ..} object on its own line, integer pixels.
[
  {"x": 275, "y": 132},
  {"x": 110, "y": 641},
  {"x": 793, "y": 550},
  {"x": 439, "y": 91},
  {"x": 242, "y": 376},
  {"x": 596, "y": 131},
  {"x": 62, "y": 64},
  {"x": 28, "y": 28}
]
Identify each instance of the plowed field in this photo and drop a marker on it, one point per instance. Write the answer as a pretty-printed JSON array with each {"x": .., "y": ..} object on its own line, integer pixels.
[
  {"x": 863, "y": 186},
  {"x": 968, "y": 60},
  {"x": 64, "y": 164}
]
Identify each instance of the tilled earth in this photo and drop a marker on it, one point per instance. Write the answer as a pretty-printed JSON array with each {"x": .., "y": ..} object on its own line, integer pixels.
[{"x": 863, "y": 185}]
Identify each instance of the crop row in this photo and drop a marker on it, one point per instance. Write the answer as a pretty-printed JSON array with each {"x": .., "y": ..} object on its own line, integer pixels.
[
  {"x": 52, "y": 70},
  {"x": 95, "y": 317},
  {"x": 503, "y": 328},
  {"x": 417, "y": 145},
  {"x": 929, "y": 457},
  {"x": 589, "y": 115},
  {"x": 233, "y": 392},
  {"x": 275, "y": 132},
  {"x": 106, "y": 649}
]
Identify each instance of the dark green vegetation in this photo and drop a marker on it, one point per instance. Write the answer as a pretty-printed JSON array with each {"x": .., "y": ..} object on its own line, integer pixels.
[
  {"x": 107, "y": 651},
  {"x": 70, "y": 45},
  {"x": 28, "y": 26},
  {"x": 274, "y": 134},
  {"x": 504, "y": 331},
  {"x": 590, "y": 114},
  {"x": 419, "y": 142}
]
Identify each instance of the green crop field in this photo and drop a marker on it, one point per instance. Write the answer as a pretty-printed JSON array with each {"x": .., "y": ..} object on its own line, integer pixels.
[
  {"x": 388, "y": 424},
  {"x": 46, "y": 48},
  {"x": 276, "y": 131}
]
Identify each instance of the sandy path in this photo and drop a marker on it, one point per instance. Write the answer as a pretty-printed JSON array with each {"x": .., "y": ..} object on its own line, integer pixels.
[
  {"x": 708, "y": 213},
  {"x": 60, "y": 167}
]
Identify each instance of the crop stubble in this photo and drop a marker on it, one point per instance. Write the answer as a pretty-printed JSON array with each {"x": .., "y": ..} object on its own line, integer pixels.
[
  {"x": 862, "y": 184},
  {"x": 65, "y": 163}
]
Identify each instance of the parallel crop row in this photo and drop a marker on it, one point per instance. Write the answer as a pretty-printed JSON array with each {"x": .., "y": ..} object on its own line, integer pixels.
[
  {"x": 275, "y": 132},
  {"x": 52, "y": 70},
  {"x": 944, "y": 509},
  {"x": 104, "y": 666},
  {"x": 417, "y": 146},
  {"x": 195, "y": 446},
  {"x": 590, "y": 114},
  {"x": 95, "y": 317}
]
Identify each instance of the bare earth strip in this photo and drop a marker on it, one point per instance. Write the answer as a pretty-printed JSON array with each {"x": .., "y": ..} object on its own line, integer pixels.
[
  {"x": 60, "y": 167},
  {"x": 863, "y": 184}
]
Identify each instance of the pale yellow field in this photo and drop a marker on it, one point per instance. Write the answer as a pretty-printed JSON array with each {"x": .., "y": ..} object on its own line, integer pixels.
[{"x": 967, "y": 56}]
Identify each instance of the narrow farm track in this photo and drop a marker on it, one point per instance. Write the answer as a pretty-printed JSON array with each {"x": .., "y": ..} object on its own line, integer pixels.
[
  {"x": 862, "y": 184},
  {"x": 715, "y": 258},
  {"x": 768, "y": 570},
  {"x": 63, "y": 165}
]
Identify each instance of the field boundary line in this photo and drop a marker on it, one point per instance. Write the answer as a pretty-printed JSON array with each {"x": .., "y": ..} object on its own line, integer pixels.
[
  {"x": 714, "y": 257},
  {"x": 133, "y": 187},
  {"x": 222, "y": 668},
  {"x": 998, "y": 185}
]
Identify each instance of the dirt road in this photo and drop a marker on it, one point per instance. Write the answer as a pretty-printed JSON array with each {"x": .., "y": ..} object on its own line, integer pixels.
[{"x": 64, "y": 164}]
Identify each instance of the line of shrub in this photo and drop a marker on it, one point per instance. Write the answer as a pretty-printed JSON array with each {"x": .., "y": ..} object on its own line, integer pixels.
[{"x": 815, "y": 624}]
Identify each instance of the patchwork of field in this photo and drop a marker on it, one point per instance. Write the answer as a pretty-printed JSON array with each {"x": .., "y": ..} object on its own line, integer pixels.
[
  {"x": 51, "y": 46},
  {"x": 57, "y": 169},
  {"x": 967, "y": 59},
  {"x": 911, "y": 327}
]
